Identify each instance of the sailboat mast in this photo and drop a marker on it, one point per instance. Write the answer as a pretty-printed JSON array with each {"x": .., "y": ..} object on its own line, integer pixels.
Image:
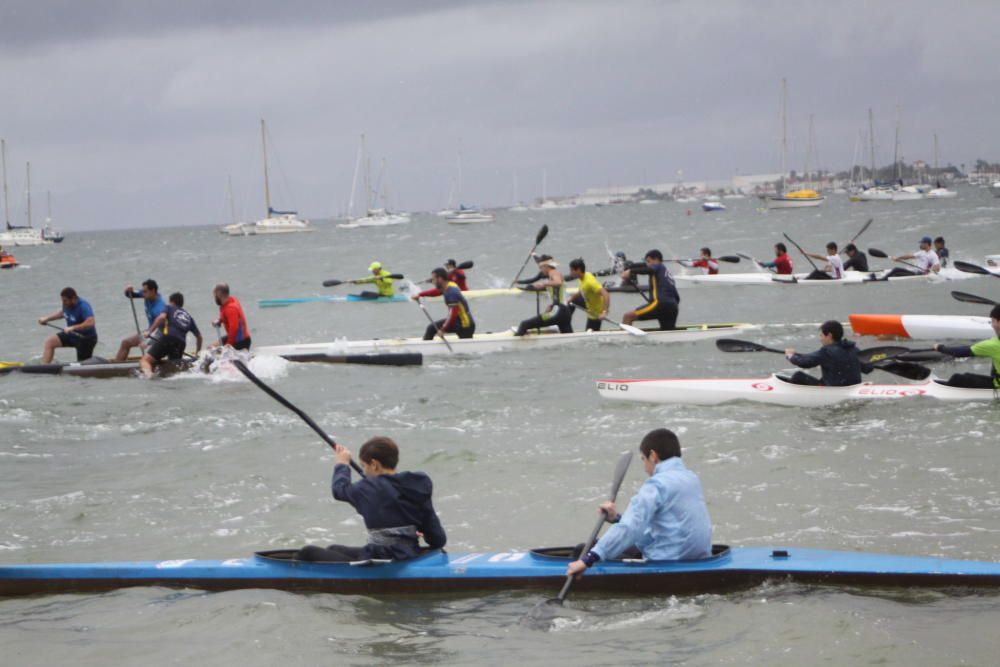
[
  {"x": 935, "y": 153},
  {"x": 28, "y": 185},
  {"x": 267, "y": 185},
  {"x": 871, "y": 140},
  {"x": 545, "y": 178},
  {"x": 3, "y": 160},
  {"x": 784, "y": 130},
  {"x": 460, "y": 173},
  {"x": 232, "y": 204},
  {"x": 895, "y": 152},
  {"x": 354, "y": 180},
  {"x": 368, "y": 175},
  {"x": 810, "y": 147}
]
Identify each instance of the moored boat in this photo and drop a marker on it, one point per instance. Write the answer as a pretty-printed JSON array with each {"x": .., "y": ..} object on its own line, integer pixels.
[
  {"x": 775, "y": 390},
  {"x": 922, "y": 327},
  {"x": 727, "y": 569},
  {"x": 709, "y": 206},
  {"x": 504, "y": 340},
  {"x": 762, "y": 278},
  {"x": 468, "y": 216}
]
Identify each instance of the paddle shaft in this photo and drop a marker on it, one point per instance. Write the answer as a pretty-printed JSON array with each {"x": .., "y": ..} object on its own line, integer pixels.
[
  {"x": 542, "y": 233},
  {"x": 420, "y": 302},
  {"x": 875, "y": 252},
  {"x": 242, "y": 368},
  {"x": 804, "y": 254},
  {"x": 135, "y": 316},
  {"x": 863, "y": 230}
]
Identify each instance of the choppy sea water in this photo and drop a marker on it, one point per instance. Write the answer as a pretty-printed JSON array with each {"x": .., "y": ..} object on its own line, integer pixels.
[{"x": 519, "y": 446}]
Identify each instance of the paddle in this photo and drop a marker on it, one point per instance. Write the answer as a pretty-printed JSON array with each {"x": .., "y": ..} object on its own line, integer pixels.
[
  {"x": 464, "y": 265},
  {"x": 804, "y": 254},
  {"x": 755, "y": 261},
  {"x": 616, "y": 483},
  {"x": 972, "y": 298},
  {"x": 908, "y": 370},
  {"x": 732, "y": 259},
  {"x": 628, "y": 328},
  {"x": 968, "y": 267},
  {"x": 334, "y": 283},
  {"x": 135, "y": 317},
  {"x": 420, "y": 302},
  {"x": 863, "y": 230},
  {"x": 881, "y": 254},
  {"x": 242, "y": 368},
  {"x": 542, "y": 233},
  {"x": 897, "y": 353}
]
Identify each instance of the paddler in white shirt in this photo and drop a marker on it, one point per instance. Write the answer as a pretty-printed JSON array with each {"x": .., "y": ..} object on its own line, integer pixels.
[
  {"x": 834, "y": 269},
  {"x": 926, "y": 259}
]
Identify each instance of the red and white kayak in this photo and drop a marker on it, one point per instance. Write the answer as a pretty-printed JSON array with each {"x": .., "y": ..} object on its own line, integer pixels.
[
  {"x": 776, "y": 391},
  {"x": 923, "y": 327}
]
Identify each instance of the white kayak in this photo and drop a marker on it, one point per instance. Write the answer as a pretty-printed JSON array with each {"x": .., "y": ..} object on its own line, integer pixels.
[
  {"x": 761, "y": 278},
  {"x": 503, "y": 340},
  {"x": 923, "y": 327},
  {"x": 776, "y": 391}
]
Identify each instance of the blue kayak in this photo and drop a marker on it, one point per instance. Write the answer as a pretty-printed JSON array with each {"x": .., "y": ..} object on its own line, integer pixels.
[
  {"x": 337, "y": 298},
  {"x": 438, "y": 571}
]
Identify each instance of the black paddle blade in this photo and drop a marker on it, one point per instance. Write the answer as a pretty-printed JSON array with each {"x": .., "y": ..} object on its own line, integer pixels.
[
  {"x": 972, "y": 298},
  {"x": 733, "y": 345},
  {"x": 466, "y": 265},
  {"x": 542, "y": 233},
  {"x": 874, "y": 354},
  {"x": 968, "y": 267},
  {"x": 924, "y": 356},
  {"x": 904, "y": 369},
  {"x": 332, "y": 283},
  {"x": 875, "y": 252},
  {"x": 732, "y": 259}
]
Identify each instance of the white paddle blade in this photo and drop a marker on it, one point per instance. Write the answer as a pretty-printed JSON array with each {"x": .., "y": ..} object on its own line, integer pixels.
[{"x": 635, "y": 331}]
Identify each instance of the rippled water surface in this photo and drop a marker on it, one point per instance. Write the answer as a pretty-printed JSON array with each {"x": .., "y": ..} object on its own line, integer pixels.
[{"x": 520, "y": 448}]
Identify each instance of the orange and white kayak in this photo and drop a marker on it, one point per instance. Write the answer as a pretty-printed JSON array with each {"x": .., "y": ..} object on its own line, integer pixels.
[{"x": 922, "y": 327}]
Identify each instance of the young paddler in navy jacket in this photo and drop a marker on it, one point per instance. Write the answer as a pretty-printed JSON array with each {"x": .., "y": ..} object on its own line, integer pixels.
[
  {"x": 396, "y": 507},
  {"x": 838, "y": 358}
]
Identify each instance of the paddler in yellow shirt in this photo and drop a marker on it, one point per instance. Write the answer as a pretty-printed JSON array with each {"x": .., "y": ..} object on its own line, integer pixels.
[
  {"x": 592, "y": 295},
  {"x": 382, "y": 280}
]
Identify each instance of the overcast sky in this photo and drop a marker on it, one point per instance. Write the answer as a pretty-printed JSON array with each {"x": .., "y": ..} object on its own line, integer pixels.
[{"x": 135, "y": 113}]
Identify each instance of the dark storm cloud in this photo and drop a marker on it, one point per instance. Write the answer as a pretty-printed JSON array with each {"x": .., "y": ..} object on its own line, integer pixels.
[{"x": 135, "y": 113}]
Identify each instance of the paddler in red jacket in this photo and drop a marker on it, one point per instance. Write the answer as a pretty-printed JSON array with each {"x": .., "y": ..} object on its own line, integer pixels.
[
  {"x": 459, "y": 320},
  {"x": 455, "y": 275},
  {"x": 708, "y": 264},
  {"x": 232, "y": 318},
  {"x": 782, "y": 263}
]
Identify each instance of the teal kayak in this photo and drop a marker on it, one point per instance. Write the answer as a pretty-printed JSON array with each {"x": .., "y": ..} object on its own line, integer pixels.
[
  {"x": 338, "y": 298},
  {"x": 437, "y": 571}
]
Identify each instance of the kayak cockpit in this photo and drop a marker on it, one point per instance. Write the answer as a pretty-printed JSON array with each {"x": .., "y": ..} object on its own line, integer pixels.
[
  {"x": 719, "y": 552},
  {"x": 288, "y": 556}
]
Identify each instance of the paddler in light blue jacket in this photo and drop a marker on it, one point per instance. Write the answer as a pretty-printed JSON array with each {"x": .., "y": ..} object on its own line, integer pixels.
[{"x": 666, "y": 520}]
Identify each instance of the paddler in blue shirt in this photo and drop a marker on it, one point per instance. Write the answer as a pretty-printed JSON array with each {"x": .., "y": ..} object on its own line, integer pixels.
[
  {"x": 154, "y": 305},
  {"x": 664, "y": 299},
  {"x": 396, "y": 507},
  {"x": 80, "y": 331},
  {"x": 666, "y": 520},
  {"x": 838, "y": 358}
]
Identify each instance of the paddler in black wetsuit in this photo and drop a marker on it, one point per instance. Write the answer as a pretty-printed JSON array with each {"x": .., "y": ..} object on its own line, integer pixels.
[
  {"x": 558, "y": 313},
  {"x": 664, "y": 299},
  {"x": 396, "y": 507},
  {"x": 837, "y": 357},
  {"x": 856, "y": 260}
]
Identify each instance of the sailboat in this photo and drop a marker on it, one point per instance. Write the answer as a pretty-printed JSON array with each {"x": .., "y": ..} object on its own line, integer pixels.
[
  {"x": 374, "y": 217},
  {"x": 550, "y": 204},
  {"x": 939, "y": 192},
  {"x": 48, "y": 233},
  {"x": 275, "y": 222},
  {"x": 18, "y": 235},
  {"x": 796, "y": 198},
  {"x": 519, "y": 206},
  {"x": 466, "y": 215}
]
